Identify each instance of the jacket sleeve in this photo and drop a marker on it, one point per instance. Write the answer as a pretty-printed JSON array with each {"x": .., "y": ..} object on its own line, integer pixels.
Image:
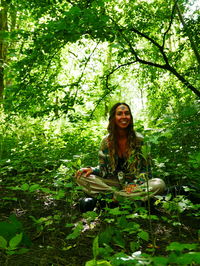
[{"x": 102, "y": 168}]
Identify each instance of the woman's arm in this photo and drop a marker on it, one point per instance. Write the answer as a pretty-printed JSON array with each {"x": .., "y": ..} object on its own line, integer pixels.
[{"x": 102, "y": 168}]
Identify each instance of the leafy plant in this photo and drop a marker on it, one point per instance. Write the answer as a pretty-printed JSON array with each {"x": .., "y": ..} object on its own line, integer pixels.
[{"x": 13, "y": 246}]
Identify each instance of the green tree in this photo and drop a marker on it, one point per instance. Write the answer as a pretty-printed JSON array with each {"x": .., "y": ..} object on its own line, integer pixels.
[{"x": 144, "y": 33}]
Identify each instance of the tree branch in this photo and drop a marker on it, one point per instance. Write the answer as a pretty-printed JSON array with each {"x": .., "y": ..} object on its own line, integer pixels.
[
  {"x": 166, "y": 66},
  {"x": 109, "y": 90},
  {"x": 170, "y": 23},
  {"x": 183, "y": 80},
  {"x": 116, "y": 68},
  {"x": 49, "y": 63},
  {"x": 79, "y": 79},
  {"x": 193, "y": 44},
  {"x": 138, "y": 59},
  {"x": 160, "y": 47},
  {"x": 99, "y": 101}
]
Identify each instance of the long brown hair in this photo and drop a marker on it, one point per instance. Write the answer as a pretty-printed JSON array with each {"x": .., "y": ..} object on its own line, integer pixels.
[{"x": 133, "y": 141}]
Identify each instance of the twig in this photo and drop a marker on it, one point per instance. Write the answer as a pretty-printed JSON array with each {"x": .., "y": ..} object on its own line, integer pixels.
[
  {"x": 165, "y": 66},
  {"x": 79, "y": 79},
  {"x": 170, "y": 23},
  {"x": 109, "y": 90}
]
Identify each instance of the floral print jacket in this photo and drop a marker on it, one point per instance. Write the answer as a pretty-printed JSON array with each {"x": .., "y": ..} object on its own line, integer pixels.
[{"x": 135, "y": 169}]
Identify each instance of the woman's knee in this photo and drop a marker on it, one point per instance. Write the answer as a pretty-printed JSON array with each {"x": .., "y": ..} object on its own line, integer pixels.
[{"x": 157, "y": 184}]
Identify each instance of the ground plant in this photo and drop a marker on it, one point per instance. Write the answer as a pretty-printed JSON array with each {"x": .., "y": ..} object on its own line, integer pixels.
[{"x": 40, "y": 216}]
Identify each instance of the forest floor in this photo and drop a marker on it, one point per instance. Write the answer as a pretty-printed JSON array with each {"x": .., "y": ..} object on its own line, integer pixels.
[{"x": 47, "y": 222}]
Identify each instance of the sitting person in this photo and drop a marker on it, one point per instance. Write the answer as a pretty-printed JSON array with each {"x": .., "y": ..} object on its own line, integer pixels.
[{"x": 123, "y": 171}]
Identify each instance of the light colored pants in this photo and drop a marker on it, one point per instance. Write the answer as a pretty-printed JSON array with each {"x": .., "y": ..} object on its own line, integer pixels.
[{"x": 93, "y": 185}]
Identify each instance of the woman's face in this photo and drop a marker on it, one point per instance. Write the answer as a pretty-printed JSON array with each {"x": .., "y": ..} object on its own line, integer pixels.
[{"x": 122, "y": 116}]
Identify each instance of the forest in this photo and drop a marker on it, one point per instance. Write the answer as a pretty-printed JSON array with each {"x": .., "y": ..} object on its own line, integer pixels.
[{"x": 63, "y": 65}]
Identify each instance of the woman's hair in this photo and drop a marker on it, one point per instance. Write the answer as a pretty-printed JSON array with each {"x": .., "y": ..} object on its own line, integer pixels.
[{"x": 133, "y": 141}]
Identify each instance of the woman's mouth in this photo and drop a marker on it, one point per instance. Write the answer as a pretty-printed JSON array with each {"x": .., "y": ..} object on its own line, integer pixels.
[{"x": 123, "y": 122}]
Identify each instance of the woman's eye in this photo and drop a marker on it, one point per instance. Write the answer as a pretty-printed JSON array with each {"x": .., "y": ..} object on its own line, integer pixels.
[{"x": 127, "y": 113}]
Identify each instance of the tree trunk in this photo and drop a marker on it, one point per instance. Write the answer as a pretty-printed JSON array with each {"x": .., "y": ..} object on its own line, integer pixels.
[
  {"x": 193, "y": 44},
  {"x": 106, "y": 67},
  {"x": 3, "y": 28}
]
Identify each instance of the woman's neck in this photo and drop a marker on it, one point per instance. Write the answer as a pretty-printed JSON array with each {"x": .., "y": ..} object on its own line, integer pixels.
[
  {"x": 122, "y": 139},
  {"x": 122, "y": 134}
]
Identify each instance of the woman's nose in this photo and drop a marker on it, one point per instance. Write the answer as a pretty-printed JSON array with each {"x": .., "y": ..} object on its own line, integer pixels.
[{"x": 123, "y": 115}]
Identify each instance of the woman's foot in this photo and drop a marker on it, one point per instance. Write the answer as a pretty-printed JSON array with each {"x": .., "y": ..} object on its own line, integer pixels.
[{"x": 87, "y": 204}]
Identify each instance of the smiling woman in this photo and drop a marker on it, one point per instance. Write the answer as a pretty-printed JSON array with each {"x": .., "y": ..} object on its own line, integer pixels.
[
  {"x": 122, "y": 170},
  {"x": 122, "y": 116}
]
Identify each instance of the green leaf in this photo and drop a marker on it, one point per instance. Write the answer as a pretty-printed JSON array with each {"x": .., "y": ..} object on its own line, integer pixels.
[
  {"x": 45, "y": 190},
  {"x": 95, "y": 247},
  {"x": 69, "y": 225},
  {"x": 176, "y": 246},
  {"x": 21, "y": 251},
  {"x": 25, "y": 187},
  {"x": 60, "y": 194},
  {"x": 119, "y": 241},
  {"x": 160, "y": 261},
  {"x": 34, "y": 187},
  {"x": 91, "y": 263},
  {"x": 134, "y": 246},
  {"x": 146, "y": 151},
  {"x": 3, "y": 242},
  {"x": 15, "y": 241},
  {"x": 90, "y": 215},
  {"x": 122, "y": 259},
  {"x": 76, "y": 231},
  {"x": 122, "y": 222},
  {"x": 144, "y": 235},
  {"x": 68, "y": 185},
  {"x": 192, "y": 258},
  {"x": 106, "y": 236},
  {"x": 99, "y": 262},
  {"x": 103, "y": 263},
  {"x": 117, "y": 211},
  {"x": 9, "y": 198}
]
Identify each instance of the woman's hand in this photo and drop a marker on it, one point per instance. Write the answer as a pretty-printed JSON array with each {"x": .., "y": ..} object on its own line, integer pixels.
[
  {"x": 130, "y": 188},
  {"x": 83, "y": 172}
]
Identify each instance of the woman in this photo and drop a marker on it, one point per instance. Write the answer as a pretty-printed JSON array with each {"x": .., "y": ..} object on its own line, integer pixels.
[{"x": 123, "y": 170}]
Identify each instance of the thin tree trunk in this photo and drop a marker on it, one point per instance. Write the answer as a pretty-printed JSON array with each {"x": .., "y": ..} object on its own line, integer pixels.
[
  {"x": 193, "y": 44},
  {"x": 1, "y": 56},
  {"x": 106, "y": 67},
  {"x": 3, "y": 28}
]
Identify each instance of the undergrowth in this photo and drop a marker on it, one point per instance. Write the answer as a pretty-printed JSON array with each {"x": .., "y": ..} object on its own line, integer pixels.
[{"x": 40, "y": 220}]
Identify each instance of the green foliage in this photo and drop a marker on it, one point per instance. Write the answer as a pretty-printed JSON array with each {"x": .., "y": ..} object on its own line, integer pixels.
[
  {"x": 13, "y": 239},
  {"x": 194, "y": 160},
  {"x": 56, "y": 53},
  {"x": 76, "y": 231},
  {"x": 37, "y": 149},
  {"x": 54, "y": 150},
  {"x": 175, "y": 146},
  {"x": 179, "y": 257},
  {"x": 174, "y": 246},
  {"x": 13, "y": 246},
  {"x": 65, "y": 62}
]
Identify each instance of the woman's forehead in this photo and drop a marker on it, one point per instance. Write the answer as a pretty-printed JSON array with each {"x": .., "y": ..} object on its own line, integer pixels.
[{"x": 122, "y": 107}]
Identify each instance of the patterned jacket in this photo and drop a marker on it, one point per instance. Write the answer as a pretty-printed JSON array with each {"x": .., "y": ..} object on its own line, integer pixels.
[{"x": 135, "y": 169}]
